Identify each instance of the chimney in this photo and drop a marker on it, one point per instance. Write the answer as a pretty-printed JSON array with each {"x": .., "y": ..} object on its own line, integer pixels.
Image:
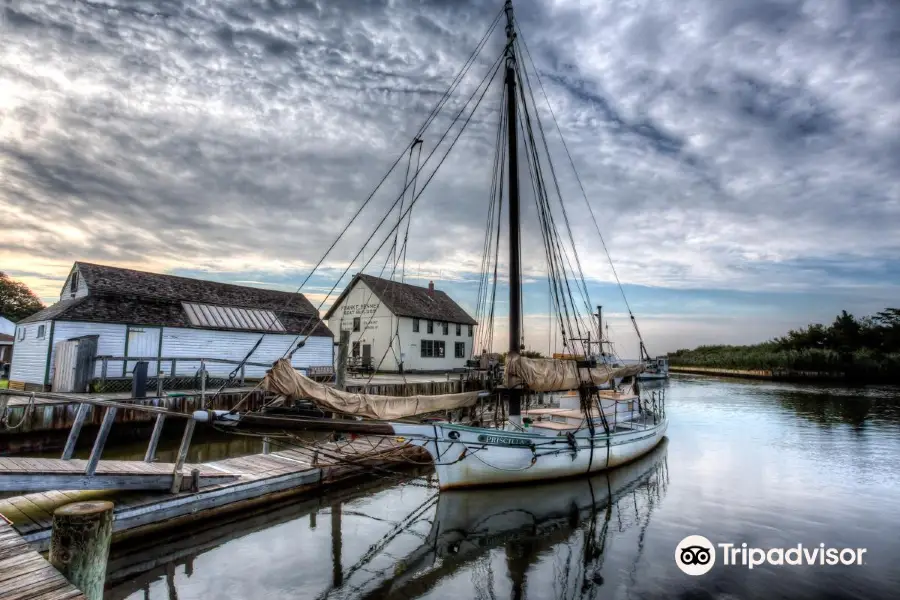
[{"x": 431, "y": 288}]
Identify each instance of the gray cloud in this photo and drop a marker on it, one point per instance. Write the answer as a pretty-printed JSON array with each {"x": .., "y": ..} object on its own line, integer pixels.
[{"x": 718, "y": 140}]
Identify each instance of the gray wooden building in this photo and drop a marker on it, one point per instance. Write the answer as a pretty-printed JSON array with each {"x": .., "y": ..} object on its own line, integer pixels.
[{"x": 131, "y": 313}]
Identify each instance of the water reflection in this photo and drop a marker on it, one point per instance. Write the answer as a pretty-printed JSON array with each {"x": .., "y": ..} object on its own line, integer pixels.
[
  {"x": 772, "y": 465},
  {"x": 528, "y": 524},
  {"x": 465, "y": 530}
]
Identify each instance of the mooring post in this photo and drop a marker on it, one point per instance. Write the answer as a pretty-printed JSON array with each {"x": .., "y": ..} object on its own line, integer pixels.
[
  {"x": 177, "y": 475},
  {"x": 80, "y": 415},
  {"x": 343, "y": 348},
  {"x": 159, "y": 380},
  {"x": 79, "y": 544},
  {"x": 103, "y": 368},
  {"x": 337, "y": 571},
  {"x": 154, "y": 438},
  {"x": 203, "y": 384},
  {"x": 266, "y": 445},
  {"x": 109, "y": 416}
]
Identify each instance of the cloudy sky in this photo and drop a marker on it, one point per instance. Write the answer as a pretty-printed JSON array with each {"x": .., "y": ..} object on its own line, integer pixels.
[{"x": 741, "y": 156}]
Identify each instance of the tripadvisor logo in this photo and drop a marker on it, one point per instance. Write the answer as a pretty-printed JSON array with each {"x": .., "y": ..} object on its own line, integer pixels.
[{"x": 696, "y": 555}]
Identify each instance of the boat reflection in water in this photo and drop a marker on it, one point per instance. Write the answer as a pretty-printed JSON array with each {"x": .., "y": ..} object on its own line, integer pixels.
[
  {"x": 499, "y": 536},
  {"x": 526, "y": 523}
]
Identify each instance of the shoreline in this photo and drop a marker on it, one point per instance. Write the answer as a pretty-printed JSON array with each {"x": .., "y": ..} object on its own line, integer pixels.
[{"x": 765, "y": 374}]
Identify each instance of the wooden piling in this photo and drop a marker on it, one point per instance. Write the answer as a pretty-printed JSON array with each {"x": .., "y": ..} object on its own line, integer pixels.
[
  {"x": 343, "y": 347},
  {"x": 79, "y": 544}
]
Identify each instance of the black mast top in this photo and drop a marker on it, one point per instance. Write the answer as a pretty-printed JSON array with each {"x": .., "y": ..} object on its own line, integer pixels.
[{"x": 515, "y": 275}]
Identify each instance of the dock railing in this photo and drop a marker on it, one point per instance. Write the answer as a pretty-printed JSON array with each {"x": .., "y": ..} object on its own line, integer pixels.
[{"x": 110, "y": 408}]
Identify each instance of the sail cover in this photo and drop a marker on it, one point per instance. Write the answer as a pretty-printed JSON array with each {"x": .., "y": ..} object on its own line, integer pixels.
[
  {"x": 553, "y": 375},
  {"x": 283, "y": 380}
]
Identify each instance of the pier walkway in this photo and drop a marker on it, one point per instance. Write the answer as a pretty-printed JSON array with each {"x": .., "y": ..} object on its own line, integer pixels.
[
  {"x": 39, "y": 474},
  {"x": 25, "y": 575},
  {"x": 253, "y": 480}
]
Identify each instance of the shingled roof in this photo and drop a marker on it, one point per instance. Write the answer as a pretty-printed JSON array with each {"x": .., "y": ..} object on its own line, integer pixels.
[
  {"x": 128, "y": 282},
  {"x": 6, "y": 339},
  {"x": 134, "y": 297},
  {"x": 405, "y": 300}
]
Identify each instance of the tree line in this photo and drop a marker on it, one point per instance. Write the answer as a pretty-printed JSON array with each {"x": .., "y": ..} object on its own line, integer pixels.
[
  {"x": 16, "y": 300},
  {"x": 851, "y": 347}
]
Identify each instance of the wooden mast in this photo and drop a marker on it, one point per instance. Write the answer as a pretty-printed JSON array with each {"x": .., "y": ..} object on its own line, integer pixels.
[{"x": 515, "y": 275}]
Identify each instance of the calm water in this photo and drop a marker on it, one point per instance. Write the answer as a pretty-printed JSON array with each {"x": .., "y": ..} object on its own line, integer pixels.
[{"x": 772, "y": 465}]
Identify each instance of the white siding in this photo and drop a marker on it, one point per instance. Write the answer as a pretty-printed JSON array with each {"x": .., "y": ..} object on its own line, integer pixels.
[
  {"x": 110, "y": 343},
  {"x": 7, "y": 326},
  {"x": 81, "y": 289},
  {"x": 234, "y": 345},
  {"x": 29, "y": 363},
  {"x": 377, "y": 325}
]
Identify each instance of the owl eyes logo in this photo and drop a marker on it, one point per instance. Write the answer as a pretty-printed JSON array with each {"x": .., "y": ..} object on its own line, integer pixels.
[{"x": 695, "y": 555}]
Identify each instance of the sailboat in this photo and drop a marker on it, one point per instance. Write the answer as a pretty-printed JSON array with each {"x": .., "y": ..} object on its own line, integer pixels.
[{"x": 601, "y": 429}]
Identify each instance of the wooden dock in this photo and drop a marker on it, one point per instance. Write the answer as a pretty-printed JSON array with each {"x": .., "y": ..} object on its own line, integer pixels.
[
  {"x": 251, "y": 481},
  {"x": 39, "y": 474},
  {"x": 25, "y": 575}
]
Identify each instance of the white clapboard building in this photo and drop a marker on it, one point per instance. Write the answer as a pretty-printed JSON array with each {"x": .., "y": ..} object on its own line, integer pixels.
[
  {"x": 433, "y": 333},
  {"x": 131, "y": 313}
]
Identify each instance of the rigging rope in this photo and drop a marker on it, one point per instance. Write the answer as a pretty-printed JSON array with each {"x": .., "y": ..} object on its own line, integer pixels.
[
  {"x": 454, "y": 84},
  {"x": 583, "y": 192}
]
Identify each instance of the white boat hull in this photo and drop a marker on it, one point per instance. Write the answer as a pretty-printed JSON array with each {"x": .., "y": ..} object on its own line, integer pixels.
[
  {"x": 653, "y": 376},
  {"x": 471, "y": 457}
]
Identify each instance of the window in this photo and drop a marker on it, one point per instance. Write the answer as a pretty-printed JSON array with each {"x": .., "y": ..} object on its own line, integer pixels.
[
  {"x": 470, "y": 331},
  {"x": 21, "y": 333},
  {"x": 231, "y": 317},
  {"x": 430, "y": 327},
  {"x": 355, "y": 350},
  {"x": 73, "y": 284},
  {"x": 460, "y": 350},
  {"x": 458, "y": 329},
  {"x": 42, "y": 329},
  {"x": 415, "y": 326},
  {"x": 356, "y": 323},
  {"x": 432, "y": 349},
  {"x": 446, "y": 327}
]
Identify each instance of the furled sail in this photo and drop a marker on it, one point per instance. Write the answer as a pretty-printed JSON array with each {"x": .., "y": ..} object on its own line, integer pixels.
[
  {"x": 283, "y": 380},
  {"x": 553, "y": 375}
]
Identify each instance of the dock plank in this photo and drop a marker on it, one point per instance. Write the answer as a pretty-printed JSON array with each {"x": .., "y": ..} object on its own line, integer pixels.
[
  {"x": 247, "y": 480},
  {"x": 25, "y": 575}
]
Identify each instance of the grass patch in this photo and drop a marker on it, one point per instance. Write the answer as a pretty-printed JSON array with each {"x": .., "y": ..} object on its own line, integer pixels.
[{"x": 4, "y": 383}]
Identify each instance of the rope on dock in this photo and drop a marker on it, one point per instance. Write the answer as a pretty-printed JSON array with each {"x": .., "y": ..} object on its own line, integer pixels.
[{"x": 4, "y": 418}]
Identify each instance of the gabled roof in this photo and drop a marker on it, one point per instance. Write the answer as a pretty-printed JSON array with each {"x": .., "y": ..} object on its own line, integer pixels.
[
  {"x": 137, "y": 298},
  {"x": 405, "y": 300},
  {"x": 128, "y": 282}
]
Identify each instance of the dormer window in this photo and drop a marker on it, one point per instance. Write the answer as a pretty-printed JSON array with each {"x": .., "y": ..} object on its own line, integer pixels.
[{"x": 73, "y": 283}]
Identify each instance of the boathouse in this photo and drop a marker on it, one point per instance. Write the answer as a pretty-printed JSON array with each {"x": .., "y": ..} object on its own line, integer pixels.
[
  {"x": 433, "y": 333},
  {"x": 7, "y": 329},
  {"x": 126, "y": 313}
]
